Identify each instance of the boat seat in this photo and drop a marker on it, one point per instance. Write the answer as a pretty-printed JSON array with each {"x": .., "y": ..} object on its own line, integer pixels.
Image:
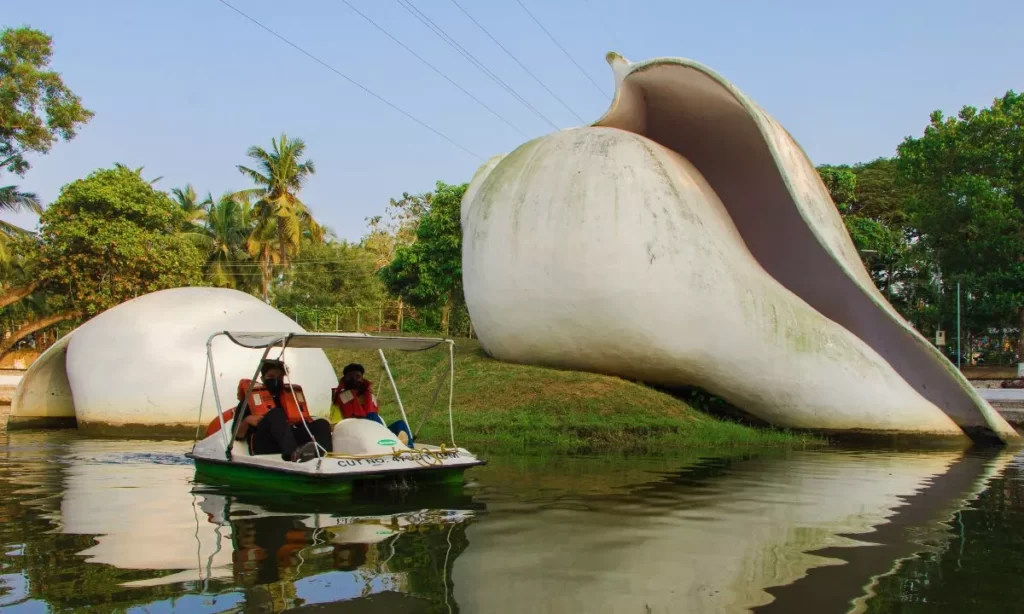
[{"x": 240, "y": 449}]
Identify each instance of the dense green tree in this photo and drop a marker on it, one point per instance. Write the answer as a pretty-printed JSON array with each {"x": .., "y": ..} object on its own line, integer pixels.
[
  {"x": 36, "y": 108},
  {"x": 428, "y": 273},
  {"x": 879, "y": 194},
  {"x": 111, "y": 237},
  {"x": 966, "y": 180},
  {"x": 841, "y": 182},
  {"x": 871, "y": 204},
  {"x": 397, "y": 227},
  {"x": 333, "y": 279}
]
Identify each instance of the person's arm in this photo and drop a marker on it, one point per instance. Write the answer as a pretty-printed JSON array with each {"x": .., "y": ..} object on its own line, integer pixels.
[{"x": 248, "y": 420}]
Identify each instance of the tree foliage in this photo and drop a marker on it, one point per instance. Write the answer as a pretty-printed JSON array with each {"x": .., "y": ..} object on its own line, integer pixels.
[
  {"x": 841, "y": 182},
  {"x": 36, "y": 108},
  {"x": 334, "y": 278},
  {"x": 397, "y": 227},
  {"x": 428, "y": 273},
  {"x": 193, "y": 208},
  {"x": 281, "y": 218},
  {"x": 864, "y": 195},
  {"x": 223, "y": 242},
  {"x": 279, "y": 175},
  {"x": 947, "y": 210},
  {"x": 966, "y": 202},
  {"x": 111, "y": 237}
]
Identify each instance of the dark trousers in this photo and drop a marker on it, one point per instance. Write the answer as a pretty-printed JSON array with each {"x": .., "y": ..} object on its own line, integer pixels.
[{"x": 274, "y": 434}]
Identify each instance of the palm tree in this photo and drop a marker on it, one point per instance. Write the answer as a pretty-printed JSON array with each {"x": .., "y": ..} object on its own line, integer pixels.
[
  {"x": 137, "y": 171},
  {"x": 13, "y": 201},
  {"x": 195, "y": 210},
  {"x": 279, "y": 175},
  {"x": 263, "y": 246},
  {"x": 223, "y": 240}
]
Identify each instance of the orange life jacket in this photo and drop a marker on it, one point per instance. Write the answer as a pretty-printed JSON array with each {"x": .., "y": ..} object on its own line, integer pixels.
[
  {"x": 349, "y": 404},
  {"x": 261, "y": 401}
]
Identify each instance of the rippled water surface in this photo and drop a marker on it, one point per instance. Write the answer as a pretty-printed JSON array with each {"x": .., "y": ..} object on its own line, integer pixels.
[{"x": 120, "y": 526}]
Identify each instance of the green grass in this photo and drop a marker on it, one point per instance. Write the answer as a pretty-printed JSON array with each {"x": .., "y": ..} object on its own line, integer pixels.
[{"x": 534, "y": 409}]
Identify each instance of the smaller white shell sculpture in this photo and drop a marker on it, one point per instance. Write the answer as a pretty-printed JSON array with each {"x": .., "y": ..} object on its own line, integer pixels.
[
  {"x": 139, "y": 368},
  {"x": 686, "y": 239}
]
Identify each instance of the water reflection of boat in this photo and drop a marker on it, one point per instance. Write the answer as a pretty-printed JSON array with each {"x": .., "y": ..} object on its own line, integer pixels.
[
  {"x": 285, "y": 558},
  {"x": 274, "y": 547},
  {"x": 712, "y": 539}
]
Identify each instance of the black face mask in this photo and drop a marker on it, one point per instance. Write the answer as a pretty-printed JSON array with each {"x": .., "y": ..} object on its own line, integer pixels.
[{"x": 273, "y": 385}]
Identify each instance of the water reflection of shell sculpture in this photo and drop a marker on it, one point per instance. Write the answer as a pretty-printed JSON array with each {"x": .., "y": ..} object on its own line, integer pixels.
[
  {"x": 139, "y": 367},
  {"x": 686, "y": 239}
]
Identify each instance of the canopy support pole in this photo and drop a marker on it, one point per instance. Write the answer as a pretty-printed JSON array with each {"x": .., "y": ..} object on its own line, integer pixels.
[
  {"x": 387, "y": 369},
  {"x": 216, "y": 395},
  {"x": 451, "y": 389}
]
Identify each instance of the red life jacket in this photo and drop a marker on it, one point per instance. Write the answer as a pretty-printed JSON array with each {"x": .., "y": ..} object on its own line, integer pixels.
[
  {"x": 261, "y": 401},
  {"x": 349, "y": 404}
]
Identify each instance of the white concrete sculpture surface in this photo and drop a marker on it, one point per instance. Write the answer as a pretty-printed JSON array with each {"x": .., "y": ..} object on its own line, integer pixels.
[
  {"x": 686, "y": 239},
  {"x": 140, "y": 367}
]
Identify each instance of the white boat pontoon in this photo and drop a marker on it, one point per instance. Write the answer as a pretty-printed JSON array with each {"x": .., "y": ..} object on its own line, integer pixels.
[{"x": 363, "y": 449}]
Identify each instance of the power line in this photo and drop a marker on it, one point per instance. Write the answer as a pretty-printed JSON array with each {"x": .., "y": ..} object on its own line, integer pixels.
[
  {"x": 555, "y": 41},
  {"x": 444, "y": 36},
  {"x": 436, "y": 29},
  {"x": 243, "y": 264},
  {"x": 351, "y": 80},
  {"x": 435, "y": 69},
  {"x": 514, "y": 58},
  {"x": 600, "y": 16}
]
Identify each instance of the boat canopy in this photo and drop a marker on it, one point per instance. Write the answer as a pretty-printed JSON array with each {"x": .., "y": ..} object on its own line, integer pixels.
[
  {"x": 264, "y": 340},
  {"x": 342, "y": 341}
]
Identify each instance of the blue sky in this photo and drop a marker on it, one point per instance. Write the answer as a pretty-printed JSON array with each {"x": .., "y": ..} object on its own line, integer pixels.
[{"x": 184, "y": 87}]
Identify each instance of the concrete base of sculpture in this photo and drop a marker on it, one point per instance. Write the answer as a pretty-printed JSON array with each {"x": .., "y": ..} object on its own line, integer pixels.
[
  {"x": 43, "y": 396},
  {"x": 685, "y": 239},
  {"x": 139, "y": 369}
]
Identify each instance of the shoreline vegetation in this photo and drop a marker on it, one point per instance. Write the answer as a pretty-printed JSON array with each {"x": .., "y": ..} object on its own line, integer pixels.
[{"x": 521, "y": 408}]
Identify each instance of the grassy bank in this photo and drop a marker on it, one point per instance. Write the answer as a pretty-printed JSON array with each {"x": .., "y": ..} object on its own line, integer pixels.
[{"x": 520, "y": 407}]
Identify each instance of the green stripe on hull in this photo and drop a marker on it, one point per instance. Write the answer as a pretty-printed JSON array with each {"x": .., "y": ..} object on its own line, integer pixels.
[{"x": 248, "y": 476}]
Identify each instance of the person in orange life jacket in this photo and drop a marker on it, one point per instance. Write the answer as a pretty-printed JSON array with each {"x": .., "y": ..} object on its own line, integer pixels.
[
  {"x": 354, "y": 397},
  {"x": 272, "y": 433}
]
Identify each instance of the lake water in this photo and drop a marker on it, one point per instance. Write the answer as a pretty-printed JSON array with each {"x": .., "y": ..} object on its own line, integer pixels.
[{"x": 119, "y": 526}]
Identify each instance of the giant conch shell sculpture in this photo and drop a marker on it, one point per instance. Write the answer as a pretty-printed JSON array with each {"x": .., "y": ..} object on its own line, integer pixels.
[
  {"x": 140, "y": 368},
  {"x": 685, "y": 238}
]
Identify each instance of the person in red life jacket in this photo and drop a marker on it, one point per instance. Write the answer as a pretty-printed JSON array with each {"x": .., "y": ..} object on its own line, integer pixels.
[
  {"x": 272, "y": 421},
  {"x": 354, "y": 397}
]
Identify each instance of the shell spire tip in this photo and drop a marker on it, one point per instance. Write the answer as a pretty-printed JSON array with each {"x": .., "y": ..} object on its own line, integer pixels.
[{"x": 620, "y": 66}]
